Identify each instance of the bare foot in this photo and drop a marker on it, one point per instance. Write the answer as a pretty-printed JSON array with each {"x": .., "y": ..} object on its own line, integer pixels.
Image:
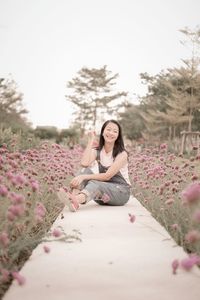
[
  {"x": 81, "y": 198},
  {"x": 68, "y": 199}
]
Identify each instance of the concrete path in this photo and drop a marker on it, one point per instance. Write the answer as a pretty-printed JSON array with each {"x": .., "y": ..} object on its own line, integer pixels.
[{"x": 116, "y": 260}]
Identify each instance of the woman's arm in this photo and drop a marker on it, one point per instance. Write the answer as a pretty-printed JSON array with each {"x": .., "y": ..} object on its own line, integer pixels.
[
  {"x": 89, "y": 154},
  {"x": 119, "y": 162}
]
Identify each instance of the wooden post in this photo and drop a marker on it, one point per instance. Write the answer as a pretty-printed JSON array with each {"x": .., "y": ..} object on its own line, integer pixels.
[{"x": 183, "y": 133}]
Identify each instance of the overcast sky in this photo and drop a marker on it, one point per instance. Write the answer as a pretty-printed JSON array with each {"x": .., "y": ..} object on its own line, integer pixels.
[{"x": 44, "y": 43}]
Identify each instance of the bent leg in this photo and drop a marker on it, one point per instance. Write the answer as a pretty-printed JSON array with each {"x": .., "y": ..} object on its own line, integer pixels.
[
  {"x": 81, "y": 172},
  {"x": 106, "y": 193},
  {"x": 77, "y": 190}
]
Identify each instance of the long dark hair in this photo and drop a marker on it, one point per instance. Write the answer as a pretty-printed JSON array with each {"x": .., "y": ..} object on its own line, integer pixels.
[{"x": 119, "y": 143}]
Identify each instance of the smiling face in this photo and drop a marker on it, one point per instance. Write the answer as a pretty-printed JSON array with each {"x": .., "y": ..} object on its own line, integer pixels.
[{"x": 111, "y": 132}]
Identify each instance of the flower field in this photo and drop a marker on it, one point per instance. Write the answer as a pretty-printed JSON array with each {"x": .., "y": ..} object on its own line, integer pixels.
[
  {"x": 28, "y": 184},
  {"x": 167, "y": 185}
]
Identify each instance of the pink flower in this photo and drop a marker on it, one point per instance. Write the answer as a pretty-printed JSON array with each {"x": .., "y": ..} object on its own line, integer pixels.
[
  {"x": 169, "y": 201},
  {"x": 192, "y": 237},
  {"x": 56, "y": 232},
  {"x": 17, "y": 210},
  {"x": 10, "y": 216},
  {"x": 174, "y": 226},
  {"x": 46, "y": 249},
  {"x": 195, "y": 258},
  {"x": 16, "y": 198},
  {"x": 9, "y": 175},
  {"x": 20, "y": 279},
  {"x": 131, "y": 218},
  {"x": 5, "y": 275},
  {"x": 1, "y": 178},
  {"x": 192, "y": 193},
  {"x": 171, "y": 157},
  {"x": 175, "y": 265},
  {"x": 40, "y": 210},
  {"x": 4, "y": 240},
  {"x": 34, "y": 186},
  {"x": 20, "y": 179},
  {"x": 1, "y": 159},
  {"x": 189, "y": 262},
  {"x": 3, "y": 190},
  {"x": 194, "y": 177},
  {"x": 163, "y": 146},
  {"x": 105, "y": 198}
]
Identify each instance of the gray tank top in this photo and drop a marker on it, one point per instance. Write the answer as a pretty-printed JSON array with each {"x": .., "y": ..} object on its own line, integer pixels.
[{"x": 117, "y": 178}]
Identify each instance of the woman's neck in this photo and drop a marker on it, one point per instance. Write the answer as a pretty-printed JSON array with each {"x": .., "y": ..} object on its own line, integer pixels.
[{"x": 108, "y": 147}]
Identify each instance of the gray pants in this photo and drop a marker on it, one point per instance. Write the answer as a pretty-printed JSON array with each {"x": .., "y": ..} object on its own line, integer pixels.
[{"x": 103, "y": 192}]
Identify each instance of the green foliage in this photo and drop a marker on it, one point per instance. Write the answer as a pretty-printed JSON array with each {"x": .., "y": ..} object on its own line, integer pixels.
[
  {"x": 173, "y": 99},
  {"x": 46, "y": 132},
  {"x": 132, "y": 122},
  {"x": 177, "y": 105},
  {"x": 18, "y": 140},
  {"x": 196, "y": 120},
  {"x": 11, "y": 107},
  {"x": 69, "y": 136},
  {"x": 93, "y": 95}
]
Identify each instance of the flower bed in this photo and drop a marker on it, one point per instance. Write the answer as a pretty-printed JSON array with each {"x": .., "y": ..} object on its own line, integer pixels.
[
  {"x": 29, "y": 205},
  {"x": 169, "y": 187}
]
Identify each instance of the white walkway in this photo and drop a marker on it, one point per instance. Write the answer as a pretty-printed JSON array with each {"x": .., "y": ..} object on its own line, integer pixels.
[{"x": 116, "y": 260}]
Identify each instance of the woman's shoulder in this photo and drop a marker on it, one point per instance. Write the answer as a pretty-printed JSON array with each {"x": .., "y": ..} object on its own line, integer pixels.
[
  {"x": 124, "y": 152},
  {"x": 122, "y": 155}
]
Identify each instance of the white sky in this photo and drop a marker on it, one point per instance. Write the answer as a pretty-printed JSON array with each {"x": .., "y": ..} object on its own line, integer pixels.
[{"x": 44, "y": 43}]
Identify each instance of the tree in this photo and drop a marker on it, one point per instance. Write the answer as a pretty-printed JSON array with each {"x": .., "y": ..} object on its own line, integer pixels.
[
  {"x": 173, "y": 98},
  {"x": 11, "y": 107},
  {"x": 132, "y": 122},
  {"x": 175, "y": 109},
  {"x": 185, "y": 99},
  {"x": 71, "y": 135},
  {"x": 153, "y": 105},
  {"x": 46, "y": 132},
  {"x": 93, "y": 95},
  {"x": 193, "y": 75}
]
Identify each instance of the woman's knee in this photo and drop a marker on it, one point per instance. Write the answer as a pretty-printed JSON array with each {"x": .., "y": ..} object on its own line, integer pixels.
[
  {"x": 113, "y": 199},
  {"x": 84, "y": 171}
]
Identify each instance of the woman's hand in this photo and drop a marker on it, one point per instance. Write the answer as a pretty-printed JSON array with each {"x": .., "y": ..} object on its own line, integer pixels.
[
  {"x": 76, "y": 181},
  {"x": 91, "y": 136}
]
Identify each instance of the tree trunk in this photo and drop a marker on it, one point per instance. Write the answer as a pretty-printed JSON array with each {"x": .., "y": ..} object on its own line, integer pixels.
[
  {"x": 174, "y": 132},
  {"x": 170, "y": 133}
]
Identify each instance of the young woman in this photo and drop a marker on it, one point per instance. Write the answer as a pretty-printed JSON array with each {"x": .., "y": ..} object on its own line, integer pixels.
[{"x": 104, "y": 177}]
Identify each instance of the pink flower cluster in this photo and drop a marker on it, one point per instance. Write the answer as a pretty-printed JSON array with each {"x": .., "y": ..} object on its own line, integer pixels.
[
  {"x": 28, "y": 181},
  {"x": 186, "y": 264},
  {"x": 168, "y": 186},
  {"x": 192, "y": 193}
]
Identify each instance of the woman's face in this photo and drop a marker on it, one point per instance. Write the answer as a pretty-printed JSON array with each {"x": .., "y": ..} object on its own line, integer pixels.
[{"x": 111, "y": 132}]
